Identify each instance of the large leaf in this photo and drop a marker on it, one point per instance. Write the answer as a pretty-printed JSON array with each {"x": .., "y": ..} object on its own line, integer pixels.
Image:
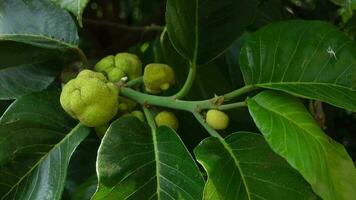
[
  {"x": 293, "y": 133},
  {"x": 25, "y": 69},
  {"x": 134, "y": 163},
  {"x": 37, "y": 22},
  {"x": 247, "y": 168},
  {"x": 309, "y": 59},
  {"x": 200, "y": 30},
  {"x": 35, "y": 148},
  {"x": 74, "y": 6}
]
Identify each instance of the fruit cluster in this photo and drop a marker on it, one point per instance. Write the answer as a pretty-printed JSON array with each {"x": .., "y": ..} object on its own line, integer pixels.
[{"x": 93, "y": 98}]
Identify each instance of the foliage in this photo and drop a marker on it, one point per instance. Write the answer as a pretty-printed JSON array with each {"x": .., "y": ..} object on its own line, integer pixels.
[{"x": 212, "y": 70}]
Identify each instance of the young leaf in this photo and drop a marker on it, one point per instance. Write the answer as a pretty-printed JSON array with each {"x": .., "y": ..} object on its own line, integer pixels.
[
  {"x": 35, "y": 148},
  {"x": 248, "y": 169},
  {"x": 201, "y": 30},
  {"x": 37, "y": 22},
  {"x": 74, "y": 6},
  {"x": 293, "y": 133},
  {"x": 310, "y": 59},
  {"x": 134, "y": 163}
]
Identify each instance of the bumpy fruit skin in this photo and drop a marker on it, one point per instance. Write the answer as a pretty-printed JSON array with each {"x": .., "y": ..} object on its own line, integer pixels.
[
  {"x": 119, "y": 66},
  {"x": 158, "y": 77},
  {"x": 90, "y": 98},
  {"x": 217, "y": 120},
  {"x": 166, "y": 118}
]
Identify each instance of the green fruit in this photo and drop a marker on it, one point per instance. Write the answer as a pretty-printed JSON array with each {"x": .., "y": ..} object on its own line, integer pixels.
[
  {"x": 217, "y": 120},
  {"x": 158, "y": 77},
  {"x": 166, "y": 118},
  {"x": 121, "y": 65},
  {"x": 139, "y": 115},
  {"x": 126, "y": 105},
  {"x": 130, "y": 64},
  {"x": 106, "y": 64},
  {"x": 90, "y": 98},
  {"x": 115, "y": 75}
]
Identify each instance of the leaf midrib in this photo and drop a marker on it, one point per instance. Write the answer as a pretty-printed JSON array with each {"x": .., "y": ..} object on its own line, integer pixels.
[
  {"x": 236, "y": 161},
  {"x": 304, "y": 83},
  {"x": 302, "y": 128}
]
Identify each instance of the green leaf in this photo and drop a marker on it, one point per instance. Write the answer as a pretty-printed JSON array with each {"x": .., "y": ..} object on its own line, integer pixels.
[
  {"x": 86, "y": 190},
  {"x": 134, "y": 163},
  {"x": 37, "y": 22},
  {"x": 247, "y": 168},
  {"x": 293, "y": 133},
  {"x": 310, "y": 59},
  {"x": 347, "y": 3},
  {"x": 25, "y": 69},
  {"x": 74, "y": 6},
  {"x": 35, "y": 147},
  {"x": 202, "y": 30}
]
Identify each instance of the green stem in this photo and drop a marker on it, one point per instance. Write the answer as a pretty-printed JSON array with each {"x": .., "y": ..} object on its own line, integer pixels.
[
  {"x": 210, "y": 130},
  {"x": 169, "y": 102},
  {"x": 239, "y": 92},
  {"x": 134, "y": 82},
  {"x": 149, "y": 118},
  {"x": 146, "y": 99},
  {"x": 226, "y": 145},
  {"x": 188, "y": 83},
  {"x": 232, "y": 106}
]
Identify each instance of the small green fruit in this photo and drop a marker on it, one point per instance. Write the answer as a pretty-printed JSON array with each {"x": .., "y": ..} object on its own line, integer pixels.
[
  {"x": 166, "y": 118},
  {"x": 119, "y": 66},
  {"x": 139, "y": 115},
  {"x": 126, "y": 105},
  {"x": 90, "y": 98},
  {"x": 115, "y": 75},
  {"x": 130, "y": 64},
  {"x": 158, "y": 77},
  {"x": 217, "y": 120},
  {"x": 105, "y": 65}
]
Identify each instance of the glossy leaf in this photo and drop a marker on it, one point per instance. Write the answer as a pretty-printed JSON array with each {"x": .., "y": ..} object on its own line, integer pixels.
[
  {"x": 134, "y": 163},
  {"x": 310, "y": 59},
  {"x": 293, "y": 133},
  {"x": 202, "y": 30},
  {"x": 247, "y": 168},
  {"x": 37, "y": 22},
  {"x": 25, "y": 69},
  {"x": 74, "y": 6},
  {"x": 36, "y": 145}
]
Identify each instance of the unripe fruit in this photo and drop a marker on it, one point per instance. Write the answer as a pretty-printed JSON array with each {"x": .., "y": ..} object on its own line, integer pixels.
[
  {"x": 166, "y": 118},
  {"x": 158, "y": 77},
  {"x": 126, "y": 105},
  {"x": 130, "y": 64},
  {"x": 217, "y": 120},
  {"x": 139, "y": 115},
  {"x": 106, "y": 64},
  {"x": 90, "y": 98},
  {"x": 101, "y": 130},
  {"x": 119, "y": 66}
]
